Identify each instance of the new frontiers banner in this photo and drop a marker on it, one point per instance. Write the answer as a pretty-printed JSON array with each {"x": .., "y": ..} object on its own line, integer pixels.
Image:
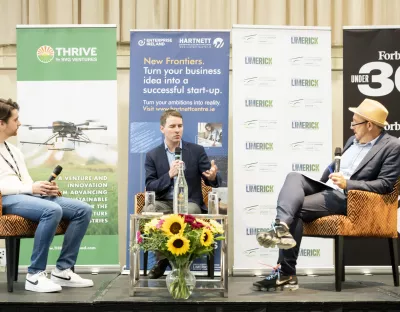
[
  {"x": 183, "y": 70},
  {"x": 67, "y": 91},
  {"x": 282, "y": 120}
]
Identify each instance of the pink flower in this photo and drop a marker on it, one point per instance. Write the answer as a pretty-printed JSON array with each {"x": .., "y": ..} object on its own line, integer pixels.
[
  {"x": 189, "y": 218},
  {"x": 197, "y": 225},
  {"x": 139, "y": 238},
  {"x": 160, "y": 223}
]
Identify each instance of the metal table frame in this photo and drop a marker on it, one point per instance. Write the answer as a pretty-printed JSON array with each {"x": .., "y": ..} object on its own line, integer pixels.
[{"x": 140, "y": 284}]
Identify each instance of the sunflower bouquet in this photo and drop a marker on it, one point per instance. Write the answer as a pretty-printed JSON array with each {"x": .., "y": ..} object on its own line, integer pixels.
[{"x": 181, "y": 239}]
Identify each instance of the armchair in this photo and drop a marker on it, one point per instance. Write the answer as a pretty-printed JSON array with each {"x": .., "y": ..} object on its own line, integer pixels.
[{"x": 368, "y": 215}]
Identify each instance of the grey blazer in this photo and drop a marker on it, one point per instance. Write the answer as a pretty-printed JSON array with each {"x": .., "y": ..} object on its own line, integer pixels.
[{"x": 380, "y": 168}]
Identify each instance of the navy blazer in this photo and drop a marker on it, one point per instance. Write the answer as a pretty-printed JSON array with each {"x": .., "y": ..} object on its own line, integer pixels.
[
  {"x": 196, "y": 162},
  {"x": 379, "y": 169}
]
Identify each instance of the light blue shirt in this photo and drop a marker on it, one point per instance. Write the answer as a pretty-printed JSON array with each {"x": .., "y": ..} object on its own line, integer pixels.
[
  {"x": 352, "y": 158},
  {"x": 171, "y": 158}
]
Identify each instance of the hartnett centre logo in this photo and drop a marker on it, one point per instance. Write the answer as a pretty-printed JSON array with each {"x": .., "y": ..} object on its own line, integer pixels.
[
  {"x": 45, "y": 54},
  {"x": 218, "y": 43}
]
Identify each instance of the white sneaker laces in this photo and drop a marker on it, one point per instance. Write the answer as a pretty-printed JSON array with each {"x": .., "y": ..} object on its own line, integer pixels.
[{"x": 40, "y": 274}]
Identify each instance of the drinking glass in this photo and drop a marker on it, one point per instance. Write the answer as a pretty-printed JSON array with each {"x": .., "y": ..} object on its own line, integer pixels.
[
  {"x": 150, "y": 201},
  {"x": 213, "y": 203}
]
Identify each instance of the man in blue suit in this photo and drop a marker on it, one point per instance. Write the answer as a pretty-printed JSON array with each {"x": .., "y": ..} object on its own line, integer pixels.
[{"x": 162, "y": 169}]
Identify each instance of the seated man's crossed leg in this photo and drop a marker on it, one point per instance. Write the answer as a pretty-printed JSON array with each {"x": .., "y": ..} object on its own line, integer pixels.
[{"x": 300, "y": 199}]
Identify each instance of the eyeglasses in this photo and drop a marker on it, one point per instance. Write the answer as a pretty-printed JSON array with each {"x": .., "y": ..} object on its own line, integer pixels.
[{"x": 352, "y": 124}]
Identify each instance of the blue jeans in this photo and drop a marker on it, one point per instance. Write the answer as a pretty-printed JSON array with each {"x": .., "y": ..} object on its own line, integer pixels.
[{"x": 48, "y": 211}]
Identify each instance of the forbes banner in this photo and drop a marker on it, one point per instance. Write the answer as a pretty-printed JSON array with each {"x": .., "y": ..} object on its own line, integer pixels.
[
  {"x": 371, "y": 58},
  {"x": 282, "y": 116},
  {"x": 67, "y": 90},
  {"x": 183, "y": 70}
]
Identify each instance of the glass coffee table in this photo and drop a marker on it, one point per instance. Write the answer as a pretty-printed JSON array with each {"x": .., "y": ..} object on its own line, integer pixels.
[{"x": 140, "y": 283}]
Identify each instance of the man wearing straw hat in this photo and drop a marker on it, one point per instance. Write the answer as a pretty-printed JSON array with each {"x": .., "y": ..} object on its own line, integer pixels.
[{"x": 370, "y": 162}]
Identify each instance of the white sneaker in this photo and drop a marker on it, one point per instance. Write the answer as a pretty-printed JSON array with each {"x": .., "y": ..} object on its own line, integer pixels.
[
  {"x": 40, "y": 283},
  {"x": 68, "y": 278}
]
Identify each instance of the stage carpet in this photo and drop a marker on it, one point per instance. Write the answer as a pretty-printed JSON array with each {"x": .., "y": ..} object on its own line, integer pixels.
[{"x": 111, "y": 293}]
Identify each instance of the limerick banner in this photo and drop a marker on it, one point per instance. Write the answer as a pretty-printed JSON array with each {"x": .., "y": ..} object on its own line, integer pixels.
[
  {"x": 282, "y": 116},
  {"x": 67, "y": 91},
  {"x": 183, "y": 70},
  {"x": 371, "y": 58}
]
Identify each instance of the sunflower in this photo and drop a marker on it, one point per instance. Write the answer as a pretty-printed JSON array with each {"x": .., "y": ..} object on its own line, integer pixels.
[
  {"x": 173, "y": 225},
  {"x": 178, "y": 245},
  {"x": 206, "y": 238}
]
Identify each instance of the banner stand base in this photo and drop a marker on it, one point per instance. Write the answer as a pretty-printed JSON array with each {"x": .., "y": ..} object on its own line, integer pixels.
[{"x": 320, "y": 271}]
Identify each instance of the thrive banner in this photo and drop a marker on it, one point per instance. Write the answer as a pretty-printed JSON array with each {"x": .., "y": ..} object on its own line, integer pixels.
[
  {"x": 183, "y": 70},
  {"x": 371, "y": 58},
  {"x": 282, "y": 119},
  {"x": 67, "y": 90}
]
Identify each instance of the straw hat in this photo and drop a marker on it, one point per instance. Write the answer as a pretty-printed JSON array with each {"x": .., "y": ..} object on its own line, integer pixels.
[{"x": 372, "y": 111}]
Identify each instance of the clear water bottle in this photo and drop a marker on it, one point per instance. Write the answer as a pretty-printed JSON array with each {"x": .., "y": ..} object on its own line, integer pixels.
[{"x": 180, "y": 200}]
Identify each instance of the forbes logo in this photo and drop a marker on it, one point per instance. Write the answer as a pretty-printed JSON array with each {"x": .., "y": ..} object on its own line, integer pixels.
[
  {"x": 383, "y": 55},
  {"x": 313, "y": 125},
  {"x": 306, "y": 167},
  {"x": 304, "y": 40},
  {"x": 260, "y": 146},
  {"x": 256, "y": 60},
  {"x": 394, "y": 126},
  {"x": 256, "y": 188},
  {"x": 259, "y": 103},
  {"x": 310, "y": 83}
]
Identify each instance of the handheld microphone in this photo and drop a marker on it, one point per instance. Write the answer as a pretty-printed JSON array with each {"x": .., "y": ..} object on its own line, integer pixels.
[
  {"x": 57, "y": 170},
  {"x": 178, "y": 153},
  {"x": 338, "y": 156}
]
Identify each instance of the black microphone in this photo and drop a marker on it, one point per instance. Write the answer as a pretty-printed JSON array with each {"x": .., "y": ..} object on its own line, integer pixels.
[
  {"x": 57, "y": 170},
  {"x": 338, "y": 156},
  {"x": 178, "y": 153}
]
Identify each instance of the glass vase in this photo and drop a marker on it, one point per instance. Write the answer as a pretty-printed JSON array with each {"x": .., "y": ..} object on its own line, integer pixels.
[{"x": 180, "y": 281}]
